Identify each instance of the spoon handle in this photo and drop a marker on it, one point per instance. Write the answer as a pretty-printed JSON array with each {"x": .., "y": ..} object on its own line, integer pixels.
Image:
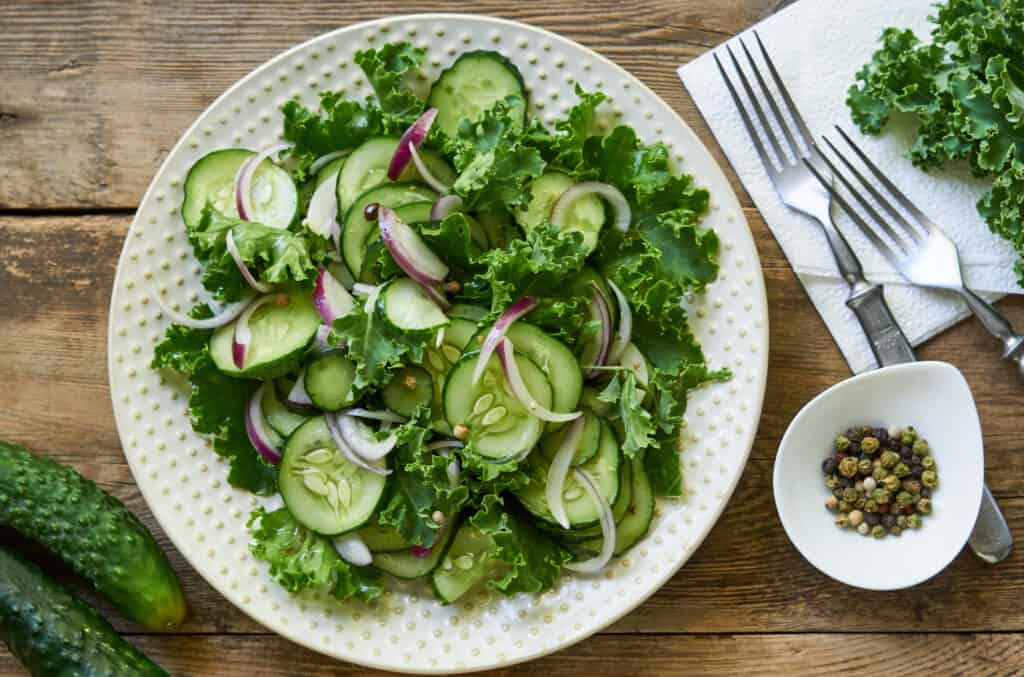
[{"x": 991, "y": 539}]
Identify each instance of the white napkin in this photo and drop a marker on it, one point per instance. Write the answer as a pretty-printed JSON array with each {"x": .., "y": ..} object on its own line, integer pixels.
[{"x": 818, "y": 46}]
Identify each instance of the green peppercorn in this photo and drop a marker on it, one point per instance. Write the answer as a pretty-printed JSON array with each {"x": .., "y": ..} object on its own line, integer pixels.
[
  {"x": 844, "y": 506},
  {"x": 842, "y": 521},
  {"x": 928, "y": 462},
  {"x": 881, "y": 496},
  {"x": 889, "y": 458},
  {"x": 871, "y": 505},
  {"x": 879, "y": 472},
  {"x": 860, "y": 502},
  {"x": 904, "y": 498},
  {"x": 895, "y": 530},
  {"x": 864, "y": 466},
  {"x": 850, "y": 494},
  {"x": 930, "y": 479},
  {"x": 921, "y": 447},
  {"x": 901, "y": 470},
  {"x": 924, "y": 506},
  {"x": 914, "y": 521},
  {"x": 913, "y": 486},
  {"x": 908, "y": 436},
  {"x": 869, "y": 445},
  {"x": 891, "y": 483},
  {"x": 901, "y": 521},
  {"x": 878, "y": 531},
  {"x": 832, "y": 481},
  {"x": 848, "y": 466}
]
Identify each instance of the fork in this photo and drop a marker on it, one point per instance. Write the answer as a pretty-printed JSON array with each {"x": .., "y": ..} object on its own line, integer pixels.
[{"x": 915, "y": 246}]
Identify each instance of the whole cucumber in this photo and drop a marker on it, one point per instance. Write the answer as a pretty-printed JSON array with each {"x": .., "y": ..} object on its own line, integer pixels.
[
  {"x": 52, "y": 632},
  {"x": 93, "y": 532}
]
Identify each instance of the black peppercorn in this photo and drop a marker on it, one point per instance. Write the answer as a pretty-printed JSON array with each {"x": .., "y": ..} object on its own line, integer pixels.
[
  {"x": 872, "y": 518},
  {"x": 888, "y": 521},
  {"x": 882, "y": 435},
  {"x": 846, "y": 482},
  {"x": 370, "y": 211},
  {"x": 915, "y": 460},
  {"x": 854, "y": 448},
  {"x": 829, "y": 466},
  {"x": 926, "y": 492},
  {"x": 916, "y": 472}
]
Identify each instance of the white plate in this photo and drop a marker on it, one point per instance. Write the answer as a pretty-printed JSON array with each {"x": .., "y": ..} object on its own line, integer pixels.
[{"x": 185, "y": 483}]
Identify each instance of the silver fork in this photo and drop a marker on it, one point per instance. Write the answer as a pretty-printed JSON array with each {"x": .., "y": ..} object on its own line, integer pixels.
[
  {"x": 916, "y": 247},
  {"x": 800, "y": 190}
]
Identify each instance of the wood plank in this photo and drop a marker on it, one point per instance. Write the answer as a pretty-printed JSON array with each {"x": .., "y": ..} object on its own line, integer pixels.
[
  {"x": 56, "y": 274},
  {"x": 95, "y": 93},
  {"x": 613, "y": 655}
]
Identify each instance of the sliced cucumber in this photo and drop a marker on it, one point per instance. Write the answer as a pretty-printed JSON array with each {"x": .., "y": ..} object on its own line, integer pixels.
[
  {"x": 212, "y": 179},
  {"x": 555, "y": 360},
  {"x": 280, "y": 335},
  {"x": 321, "y": 488},
  {"x": 589, "y": 398},
  {"x": 468, "y": 563},
  {"x": 471, "y": 86},
  {"x": 383, "y": 539},
  {"x": 407, "y": 307},
  {"x": 499, "y": 426},
  {"x": 329, "y": 172},
  {"x": 636, "y": 522},
  {"x": 367, "y": 167},
  {"x": 588, "y": 445},
  {"x": 581, "y": 511},
  {"x": 619, "y": 510},
  {"x": 329, "y": 381},
  {"x": 407, "y": 564},
  {"x": 465, "y": 311},
  {"x": 410, "y": 388},
  {"x": 357, "y": 227},
  {"x": 586, "y": 215},
  {"x": 283, "y": 420},
  {"x": 438, "y": 362}
]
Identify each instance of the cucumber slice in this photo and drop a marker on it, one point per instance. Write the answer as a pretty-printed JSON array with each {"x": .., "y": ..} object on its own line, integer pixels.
[
  {"x": 367, "y": 167},
  {"x": 405, "y": 564},
  {"x": 499, "y": 426},
  {"x": 555, "y": 360},
  {"x": 383, "y": 539},
  {"x": 321, "y": 488},
  {"x": 212, "y": 179},
  {"x": 329, "y": 381},
  {"x": 465, "y": 311},
  {"x": 280, "y": 336},
  {"x": 589, "y": 399},
  {"x": 589, "y": 443},
  {"x": 409, "y": 388},
  {"x": 283, "y": 420},
  {"x": 357, "y": 228},
  {"x": 636, "y": 522},
  {"x": 581, "y": 511},
  {"x": 438, "y": 362},
  {"x": 619, "y": 511},
  {"x": 329, "y": 172},
  {"x": 471, "y": 86},
  {"x": 468, "y": 563},
  {"x": 405, "y": 305},
  {"x": 586, "y": 215}
]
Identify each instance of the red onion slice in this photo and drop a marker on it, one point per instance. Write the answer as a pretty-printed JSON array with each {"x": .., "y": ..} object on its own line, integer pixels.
[
  {"x": 515, "y": 379},
  {"x": 243, "y": 335},
  {"x": 445, "y": 205},
  {"x": 243, "y": 180},
  {"x": 425, "y": 173},
  {"x": 353, "y": 457},
  {"x": 361, "y": 439},
  {"x": 324, "y": 160},
  {"x": 624, "y": 334},
  {"x": 353, "y": 550},
  {"x": 607, "y": 520},
  {"x": 297, "y": 397},
  {"x": 595, "y": 353},
  {"x": 558, "y": 471},
  {"x": 320, "y": 343},
  {"x": 256, "y": 428},
  {"x": 421, "y": 552},
  {"x": 388, "y": 416},
  {"x": 225, "y": 316},
  {"x": 247, "y": 275},
  {"x": 323, "y": 209},
  {"x": 614, "y": 197},
  {"x": 331, "y": 299},
  {"x": 411, "y": 139},
  {"x": 515, "y": 311},
  {"x": 409, "y": 251}
]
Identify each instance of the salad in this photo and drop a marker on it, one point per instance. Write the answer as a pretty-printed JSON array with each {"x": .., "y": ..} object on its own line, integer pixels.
[{"x": 449, "y": 337}]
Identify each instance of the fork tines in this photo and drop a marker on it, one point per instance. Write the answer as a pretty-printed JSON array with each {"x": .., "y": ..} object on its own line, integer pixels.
[{"x": 786, "y": 147}]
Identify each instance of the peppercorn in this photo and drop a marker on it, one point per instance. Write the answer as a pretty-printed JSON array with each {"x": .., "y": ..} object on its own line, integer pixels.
[
  {"x": 870, "y": 505},
  {"x": 881, "y": 434},
  {"x": 832, "y": 481},
  {"x": 848, "y": 467},
  {"x": 879, "y": 472},
  {"x": 883, "y": 508},
  {"x": 850, "y": 495},
  {"x": 889, "y": 459},
  {"x": 930, "y": 479},
  {"x": 844, "y": 506},
  {"x": 889, "y": 521},
  {"x": 904, "y": 498},
  {"x": 916, "y": 472},
  {"x": 869, "y": 445},
  {"x": 842, "y": 521},
  {"x": 921, "y": 447},
  {"x": 914, "y": 521},
  {"x": 895, "y": 531},
  {"x": 926, "y": 492},
  {"x": 860, "y": 502},
  {"x": 909, "y": 435},
  {"x": 864, "y": 466},
  {"x": 856, "y": 517},
  {"x": 863, "y": 529},
  {"x": 924, "y": 506},
  {"x": 829, "y": 465},
  {"x": 891, "y": 483},
  {"x": 901, "y": 470},
  {"x": 838, "y": 492},
  {"x": 881, "y": 496},
  {"x": 845, "y": 482},
  {"x": 872, "y": 518},
  {"x": 842, "y": 443},
  {"x": 901, "y": 521},
  {"x": 370, "y": 211},
  {"x": 831, "y": 502},
  {"x": 853, "y": 434},
  {"x": 913, "y": 486},
  {"x": 928, "y": 462},
  {"x": 878, "y": 531},
  {"x": 859, "y": 485},
  {"x": 870, "y": 484}
]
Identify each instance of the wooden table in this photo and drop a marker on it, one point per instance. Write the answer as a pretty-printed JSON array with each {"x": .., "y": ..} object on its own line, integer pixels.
[{"x": 92, "y": 96}]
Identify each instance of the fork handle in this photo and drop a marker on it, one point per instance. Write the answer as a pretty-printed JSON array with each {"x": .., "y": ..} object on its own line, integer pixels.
[
  {"x": 998, "y": 326},
  {"x": 887, "y": 340}
]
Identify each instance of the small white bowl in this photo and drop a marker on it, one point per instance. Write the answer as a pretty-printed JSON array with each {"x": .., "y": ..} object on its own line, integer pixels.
[{"x": 935, "y": 399}]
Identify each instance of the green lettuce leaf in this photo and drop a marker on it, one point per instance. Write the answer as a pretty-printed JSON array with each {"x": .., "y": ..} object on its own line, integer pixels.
[
  {"x": 339, "y": 124},
  {"x": 301, "y": 559},
  {"x": 625, "y": 393},
  {"x": 377, "y": 347},
  {"x": 388, "y": 70}
]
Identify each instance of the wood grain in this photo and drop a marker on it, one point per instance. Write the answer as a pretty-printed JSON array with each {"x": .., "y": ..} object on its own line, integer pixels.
[{"x": 95, "y": 93}]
